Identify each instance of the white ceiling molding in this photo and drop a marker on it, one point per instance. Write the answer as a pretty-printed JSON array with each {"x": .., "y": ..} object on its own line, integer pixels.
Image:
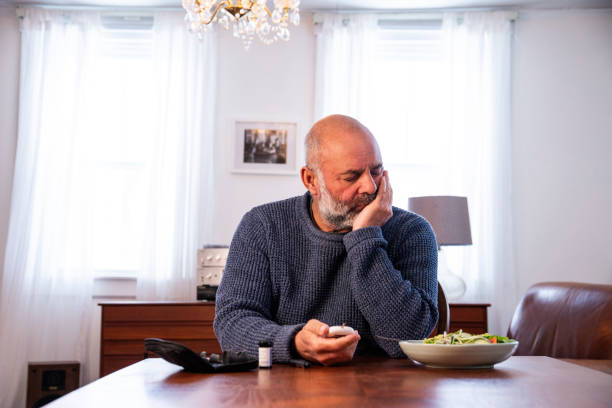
[{"x": 346, "y": 5}]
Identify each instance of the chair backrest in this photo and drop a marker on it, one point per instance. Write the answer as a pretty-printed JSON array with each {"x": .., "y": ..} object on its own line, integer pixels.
[
  {"x": 443, "y": 313},
  {"x": 564, "y": 320}
]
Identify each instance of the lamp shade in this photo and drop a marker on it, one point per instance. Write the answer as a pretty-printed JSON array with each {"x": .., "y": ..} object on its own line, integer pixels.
[{"x": 448, "y": 215}]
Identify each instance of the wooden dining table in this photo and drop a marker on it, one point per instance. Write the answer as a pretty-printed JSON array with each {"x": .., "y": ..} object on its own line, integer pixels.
[{"x": 364, "y": 382}]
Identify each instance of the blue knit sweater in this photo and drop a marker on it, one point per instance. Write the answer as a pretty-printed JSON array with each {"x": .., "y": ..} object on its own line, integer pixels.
[{"x": 282, "y": 270}]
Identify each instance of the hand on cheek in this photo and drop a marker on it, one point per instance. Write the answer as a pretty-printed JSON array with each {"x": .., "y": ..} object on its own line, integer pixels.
[{"x": 379, "y": 211}]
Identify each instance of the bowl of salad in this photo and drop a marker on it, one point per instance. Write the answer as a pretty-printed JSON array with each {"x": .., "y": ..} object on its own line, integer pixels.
[{"x": 460, "y": 350}]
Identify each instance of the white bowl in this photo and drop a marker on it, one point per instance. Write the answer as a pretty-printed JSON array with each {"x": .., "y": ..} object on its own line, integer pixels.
[{"x": 458, "y": 355}]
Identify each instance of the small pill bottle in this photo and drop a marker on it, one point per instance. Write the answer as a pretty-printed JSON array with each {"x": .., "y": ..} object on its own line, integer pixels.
[{"x": 265, "y": 354}]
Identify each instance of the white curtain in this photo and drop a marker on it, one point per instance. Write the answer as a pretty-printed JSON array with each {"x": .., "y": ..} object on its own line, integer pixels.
[
  {"x": 343, "y": 79},
  {"x": 46, "y": 307},
  {"x": 48, "y": 276},
  {"x": 478, "y": 61},
  {"x": 184, "y": 77},
  {"x": 472, "y": 155}
]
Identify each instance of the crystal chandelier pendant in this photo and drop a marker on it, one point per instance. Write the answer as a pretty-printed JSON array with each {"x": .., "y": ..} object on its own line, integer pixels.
[{"x": 247, "y": 18}]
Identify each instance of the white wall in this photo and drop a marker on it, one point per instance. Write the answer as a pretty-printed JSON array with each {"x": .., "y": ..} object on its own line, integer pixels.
[
  {"x": 563, "y": 146},
  {"x": 265, "y": 83},
  {"x": 9, "y": 88}
]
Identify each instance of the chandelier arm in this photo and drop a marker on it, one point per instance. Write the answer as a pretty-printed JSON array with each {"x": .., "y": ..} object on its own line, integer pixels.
[
  {"x": 223, "y": 3},
  {"x": 285, "y": 15}
]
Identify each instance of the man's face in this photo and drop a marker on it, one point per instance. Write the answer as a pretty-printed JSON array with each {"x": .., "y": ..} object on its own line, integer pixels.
[
  {"x": 337, "y": 213},
  {"x": 349, "y": 175}
]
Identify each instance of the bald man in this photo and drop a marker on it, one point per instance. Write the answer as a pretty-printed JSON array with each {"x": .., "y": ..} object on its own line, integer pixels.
[{"x": 340, "y": 253}]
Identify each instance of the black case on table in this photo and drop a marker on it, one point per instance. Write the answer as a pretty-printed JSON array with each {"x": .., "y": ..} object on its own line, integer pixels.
[{"x": 178, "y": 354}]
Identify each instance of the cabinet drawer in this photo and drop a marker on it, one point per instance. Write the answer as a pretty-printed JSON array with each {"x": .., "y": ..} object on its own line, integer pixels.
[
  {"x": 472, "y": 328},
  {"x": 468, "y": 314},
  {"x": 138, "y": 331},
  {"x": 174, "y": 313},
  {"x": 470, "y": 317}
]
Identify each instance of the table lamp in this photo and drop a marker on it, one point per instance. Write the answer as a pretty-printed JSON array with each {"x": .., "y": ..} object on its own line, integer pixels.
[{"x": 450, "y": 220}]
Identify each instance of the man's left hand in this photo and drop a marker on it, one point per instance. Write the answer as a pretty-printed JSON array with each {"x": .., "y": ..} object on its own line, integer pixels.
[{"x": 379, "y": 211}]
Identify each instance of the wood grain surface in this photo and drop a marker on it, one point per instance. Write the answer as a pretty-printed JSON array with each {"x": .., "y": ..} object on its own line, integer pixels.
[
  {"x": 604, "y": 366},
  {"x": 125, "y": 325},
  {"x": 365, "y": 382}
]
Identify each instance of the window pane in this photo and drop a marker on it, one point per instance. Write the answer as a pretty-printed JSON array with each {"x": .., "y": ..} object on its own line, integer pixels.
[
  {"x": 120, "y": 143},
  {"x": 408, "y": 120},
  {"x": 118, "y": 217}
]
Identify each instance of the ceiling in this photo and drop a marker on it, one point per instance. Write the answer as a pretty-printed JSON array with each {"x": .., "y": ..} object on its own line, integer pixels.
[{"x": 348, "y": 5}]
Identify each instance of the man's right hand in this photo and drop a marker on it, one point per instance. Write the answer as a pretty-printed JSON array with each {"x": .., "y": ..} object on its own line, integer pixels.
[
  {"x": 313, "y": 344},
  {"x": 380, "y": 210}
]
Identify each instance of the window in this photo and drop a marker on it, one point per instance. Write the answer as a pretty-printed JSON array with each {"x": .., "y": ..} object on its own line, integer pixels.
[
  {"x": 409, "y": 72},
  {"x": 119, "y": 144}
]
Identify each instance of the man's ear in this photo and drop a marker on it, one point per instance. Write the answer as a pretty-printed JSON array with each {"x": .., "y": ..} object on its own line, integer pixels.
[{"x": 310, "y": 180}]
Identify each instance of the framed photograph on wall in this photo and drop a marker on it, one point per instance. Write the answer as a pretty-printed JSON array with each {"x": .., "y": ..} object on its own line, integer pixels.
[{"x": 265, "y": 147}]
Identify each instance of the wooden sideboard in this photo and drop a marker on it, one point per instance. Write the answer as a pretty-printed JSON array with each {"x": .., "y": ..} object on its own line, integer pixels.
[
  {"x": 125, "y": 325},
  {"x": 470, "y": 317}
]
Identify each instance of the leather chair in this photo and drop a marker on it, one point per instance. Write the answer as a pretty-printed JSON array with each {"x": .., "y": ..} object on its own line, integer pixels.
[
  {"x": 564, "y": 320},
  {"x": 443, "y": 313}
]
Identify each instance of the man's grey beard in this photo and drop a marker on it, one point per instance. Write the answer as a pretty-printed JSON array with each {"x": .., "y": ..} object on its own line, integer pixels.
[{"x": 336, "y": 213}]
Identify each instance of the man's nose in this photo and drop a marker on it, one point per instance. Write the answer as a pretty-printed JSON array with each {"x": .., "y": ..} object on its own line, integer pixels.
[{"x": 367, "y": 184}]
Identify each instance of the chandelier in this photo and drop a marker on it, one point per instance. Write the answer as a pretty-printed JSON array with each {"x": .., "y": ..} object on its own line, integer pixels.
[{"x": 246, "y": 17}]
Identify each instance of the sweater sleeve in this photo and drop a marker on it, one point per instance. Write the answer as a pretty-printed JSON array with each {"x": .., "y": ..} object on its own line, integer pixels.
[
  {"x": 244, "y": 300},
  {"x": 398, "y": 298}
]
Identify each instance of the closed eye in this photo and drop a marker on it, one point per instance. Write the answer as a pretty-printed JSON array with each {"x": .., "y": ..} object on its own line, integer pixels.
[
  {"x": 377, "y": 171},
  {"x": 353, "y": 175}
]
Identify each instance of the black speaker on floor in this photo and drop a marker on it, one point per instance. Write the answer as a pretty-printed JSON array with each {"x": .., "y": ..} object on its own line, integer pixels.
[{"x": 48, "y": 381}]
